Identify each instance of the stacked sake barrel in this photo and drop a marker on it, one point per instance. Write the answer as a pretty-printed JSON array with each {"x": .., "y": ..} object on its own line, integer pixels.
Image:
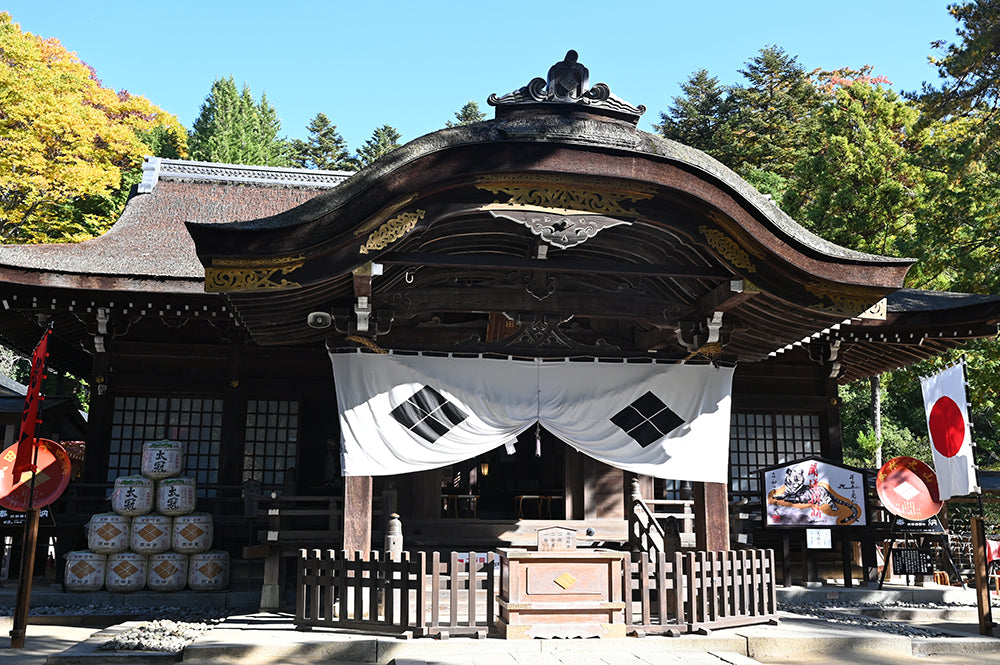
[{"x": 154, "y": 538}]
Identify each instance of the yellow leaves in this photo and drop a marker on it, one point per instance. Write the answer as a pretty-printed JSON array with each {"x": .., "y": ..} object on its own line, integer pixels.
[{"x": 63, "y": 138}]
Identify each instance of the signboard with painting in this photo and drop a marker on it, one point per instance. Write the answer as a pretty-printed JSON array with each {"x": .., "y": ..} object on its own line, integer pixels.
[{"x": 810, "y": 493}]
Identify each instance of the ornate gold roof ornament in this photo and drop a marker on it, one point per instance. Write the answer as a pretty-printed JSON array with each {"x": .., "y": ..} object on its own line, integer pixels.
[
  {"x": 227, "y": 275},
  {"x": 565, "y": 195},
  {"x": 855, "y": 301},
  {"x": 392, "y": 230},
  {"x": 563, "y": 212},
  {"x": 568, "y": 82},
  {"x": 728, "y": 248}
]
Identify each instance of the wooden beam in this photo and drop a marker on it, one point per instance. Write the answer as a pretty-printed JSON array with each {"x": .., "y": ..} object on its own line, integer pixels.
[
  {"x": 711, "y": 517},
  {"x": 358, "y": 514},
  {"x": 501, "y": 262},
  {"x": 405, "y": 304},
  {"x": 731, "y": 293}
]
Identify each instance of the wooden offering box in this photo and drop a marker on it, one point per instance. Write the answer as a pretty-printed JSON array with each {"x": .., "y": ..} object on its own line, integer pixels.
[{"x": 561, "y": 592}]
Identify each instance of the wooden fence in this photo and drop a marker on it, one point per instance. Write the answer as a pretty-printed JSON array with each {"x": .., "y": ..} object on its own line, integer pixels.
[
  {"x": 700, "y": 591},
  {"x": 419, "y": 594},
  {"x": 412, "y": 594}
]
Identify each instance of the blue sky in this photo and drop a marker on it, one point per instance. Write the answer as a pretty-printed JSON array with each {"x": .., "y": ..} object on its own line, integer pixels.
[{"x": 413, "y": 64}]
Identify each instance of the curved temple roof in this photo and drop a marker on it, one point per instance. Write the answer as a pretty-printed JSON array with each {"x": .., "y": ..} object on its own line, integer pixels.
[
  {"x": 559, "y": 214},
  {"x": 556, "y": 229}
]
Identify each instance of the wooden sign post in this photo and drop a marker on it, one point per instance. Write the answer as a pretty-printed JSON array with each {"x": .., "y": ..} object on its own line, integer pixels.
[{"x": 982, "y": 580}]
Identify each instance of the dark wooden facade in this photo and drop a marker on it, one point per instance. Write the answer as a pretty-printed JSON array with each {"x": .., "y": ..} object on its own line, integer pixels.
[{"x": 557, "y": 229}]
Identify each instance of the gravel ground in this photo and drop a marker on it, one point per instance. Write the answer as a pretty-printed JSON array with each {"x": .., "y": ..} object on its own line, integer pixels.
[
  {"x": 169, "y": 629},
  {"x": 159, "y": 635},
  {"x": 834, "y": 613}
]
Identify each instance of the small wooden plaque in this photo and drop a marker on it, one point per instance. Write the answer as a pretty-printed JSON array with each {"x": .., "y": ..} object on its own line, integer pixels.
[{"x": 556, "y": 539}]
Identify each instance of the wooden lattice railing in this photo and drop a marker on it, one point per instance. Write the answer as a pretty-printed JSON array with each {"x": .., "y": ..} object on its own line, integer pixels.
[
  {"x": 698, "y": 591},
  {"x": 410, "y": 594},
  {"x": 416, "y": 594}
]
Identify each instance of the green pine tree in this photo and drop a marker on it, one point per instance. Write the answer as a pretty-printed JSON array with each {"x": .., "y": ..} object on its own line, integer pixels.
[
  {"x": 467, "y": 115},
  {"x": 771, "y": 119},
  {"x": 384, "y": 139},
  {"x": 325, "y": 149},
  {"x": 235, "y": 129},
  {"x": 698, "y": 117}
]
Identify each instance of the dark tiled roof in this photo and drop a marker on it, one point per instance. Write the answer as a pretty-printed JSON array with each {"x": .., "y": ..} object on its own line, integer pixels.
[
  {"x": 917, "y": 300},
  {"x": 149, "y": 241}
]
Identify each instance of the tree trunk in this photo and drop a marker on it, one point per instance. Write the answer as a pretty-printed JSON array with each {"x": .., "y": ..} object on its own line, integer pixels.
[{"x": 876, "y": 413}]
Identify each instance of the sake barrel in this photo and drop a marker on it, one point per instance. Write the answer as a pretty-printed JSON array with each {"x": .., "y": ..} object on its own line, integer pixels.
[
  {"x": 151, "y": 534},
  {"x": 175, "y": 496},
  {"x": 167, "y": 571},
  {"x": 192, "y": 533},
  {"x": 85, "y": 570},
  {"x": 162, "y": 459},
  {"x": 126, "y": 572},
  {"x": 108, "y": 533},
  {"x": 208, "y": 571},
  {"x": 133, "y": 495}
]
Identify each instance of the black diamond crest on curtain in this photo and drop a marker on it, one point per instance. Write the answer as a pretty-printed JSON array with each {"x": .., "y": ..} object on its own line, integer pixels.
[
  {"x": 647, "y": 419},
  {"x": 428, "y": 414}
]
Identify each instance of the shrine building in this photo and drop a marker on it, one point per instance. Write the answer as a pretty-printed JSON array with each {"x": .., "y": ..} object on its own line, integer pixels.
[{"x": 500, "y": 321}]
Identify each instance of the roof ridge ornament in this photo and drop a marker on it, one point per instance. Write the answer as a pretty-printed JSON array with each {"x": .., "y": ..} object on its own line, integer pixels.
[{"x": 568, "y": 82}]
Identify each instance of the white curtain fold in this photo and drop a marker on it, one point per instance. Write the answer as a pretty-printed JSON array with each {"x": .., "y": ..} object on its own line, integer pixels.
[{"x": 401, "y": 414}]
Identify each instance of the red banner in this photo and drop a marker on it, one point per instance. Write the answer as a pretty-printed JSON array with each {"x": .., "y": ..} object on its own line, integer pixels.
[{"x": 32, "y": 405}]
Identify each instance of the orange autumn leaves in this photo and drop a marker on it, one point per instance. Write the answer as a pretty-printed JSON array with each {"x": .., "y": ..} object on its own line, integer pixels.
[{"x": 68, "y": 145}]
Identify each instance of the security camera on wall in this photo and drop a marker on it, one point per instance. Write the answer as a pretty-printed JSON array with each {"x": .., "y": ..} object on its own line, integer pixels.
[{"x": 319, "y": 320}]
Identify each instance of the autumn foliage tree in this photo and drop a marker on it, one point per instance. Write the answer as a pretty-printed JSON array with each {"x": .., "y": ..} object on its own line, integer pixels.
[{"x": 69, "y": 147}]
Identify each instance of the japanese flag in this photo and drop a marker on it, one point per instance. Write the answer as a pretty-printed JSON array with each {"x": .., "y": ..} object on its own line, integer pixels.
[{"x": 951, "y": 437}]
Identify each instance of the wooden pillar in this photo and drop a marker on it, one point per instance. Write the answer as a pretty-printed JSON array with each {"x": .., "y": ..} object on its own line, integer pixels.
[
  {"x": 358, "y": 514},
  {"x": 95, "y": 468},
  {"x": 711, "y": 517},
  {"x": 869, "y": 560},
  {"x": 573, "y": 484},
  {"x": 832, "y": 445},
  {"x": 982, "y": 579},
  {"x": 602, "y": 490},
  {"x": 233, "y": 422}
]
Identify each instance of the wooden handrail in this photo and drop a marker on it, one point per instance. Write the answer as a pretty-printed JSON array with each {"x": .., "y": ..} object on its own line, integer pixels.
[{"x": 644, "y": 531}]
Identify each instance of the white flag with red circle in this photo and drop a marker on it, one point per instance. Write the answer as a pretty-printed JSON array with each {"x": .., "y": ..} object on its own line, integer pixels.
[{"x": 951, "y": 436}]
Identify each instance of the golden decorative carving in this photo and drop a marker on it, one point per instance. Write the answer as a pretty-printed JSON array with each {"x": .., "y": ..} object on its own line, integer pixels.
[
  {"x": 364, "y": 341},
  {"x": 565, "y": 195},
  {"x": 251, "y": 274},
  {"x": 728, "y": 248},
  {"x": 566, "y": 580},
  {"x": 392, "y": 230},
  {"x": 848, "y": 300},
  {"x": 876, "y": 312},
  {"x": 384, "y": 214}
]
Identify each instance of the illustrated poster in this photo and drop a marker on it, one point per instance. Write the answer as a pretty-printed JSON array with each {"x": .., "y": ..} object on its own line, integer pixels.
[{"x": 813, "y": 493}]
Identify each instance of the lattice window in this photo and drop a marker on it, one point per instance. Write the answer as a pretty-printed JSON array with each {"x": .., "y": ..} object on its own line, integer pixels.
[
  {"x": 195, "y": 422},
  {"x": 270, "y": 441},
  {"x": 759, "y": 440}
]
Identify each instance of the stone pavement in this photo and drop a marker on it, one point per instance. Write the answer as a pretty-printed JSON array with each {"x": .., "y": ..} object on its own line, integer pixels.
[
  {"x": 256, "y": 638},
  {"x": 41, "y": 641},
  {"x": 269, "y": 638}
]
